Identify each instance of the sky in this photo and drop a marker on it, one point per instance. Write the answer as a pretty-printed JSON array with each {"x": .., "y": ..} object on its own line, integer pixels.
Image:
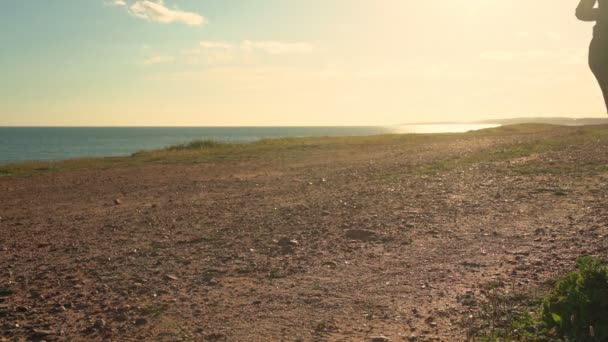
[{"x": 291, "y": 62}]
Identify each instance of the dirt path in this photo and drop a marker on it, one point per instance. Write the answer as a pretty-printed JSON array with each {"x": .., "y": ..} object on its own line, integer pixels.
[{"x": 337, "y": 245}]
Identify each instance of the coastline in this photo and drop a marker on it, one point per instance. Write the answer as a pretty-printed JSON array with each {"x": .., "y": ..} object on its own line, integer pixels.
[{"x": 23, "y": 144}]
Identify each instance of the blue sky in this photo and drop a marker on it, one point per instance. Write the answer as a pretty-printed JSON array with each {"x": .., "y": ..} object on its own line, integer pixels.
[{"x": 290, "y": 62}]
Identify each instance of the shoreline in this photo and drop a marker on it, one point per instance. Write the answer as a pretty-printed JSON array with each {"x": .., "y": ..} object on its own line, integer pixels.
[{"x": 61, "y": 143}]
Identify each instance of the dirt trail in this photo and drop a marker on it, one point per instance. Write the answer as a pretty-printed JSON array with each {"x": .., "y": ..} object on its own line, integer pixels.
[{"x": 336, "y": 245}]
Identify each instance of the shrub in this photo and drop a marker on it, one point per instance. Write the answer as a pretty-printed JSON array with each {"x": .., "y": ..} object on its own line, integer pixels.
[
  {"x": 197, "y": 145},
  {"x": 577, "y": 307}
]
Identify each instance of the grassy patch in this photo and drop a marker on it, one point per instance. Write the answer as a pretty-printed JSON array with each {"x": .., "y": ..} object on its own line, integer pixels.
[
  {"x": 153, "y": 310},
  {"x": 568, "y": 139},
  {"x": 488, "y": 156},
  {"x": 575, "y": 309},
  {"x": 198, "y": 145},
  {"x": 202, "y": 151},
  {"x": 287, "y": 149},
  {"x": 536, "y": 169}
]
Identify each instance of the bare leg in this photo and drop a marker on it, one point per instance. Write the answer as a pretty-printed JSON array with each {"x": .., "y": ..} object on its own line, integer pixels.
[{"x": 598, "y": 61}]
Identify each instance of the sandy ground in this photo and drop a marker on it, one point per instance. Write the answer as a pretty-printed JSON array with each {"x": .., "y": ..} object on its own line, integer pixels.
[{"x": 335, "y": 245}]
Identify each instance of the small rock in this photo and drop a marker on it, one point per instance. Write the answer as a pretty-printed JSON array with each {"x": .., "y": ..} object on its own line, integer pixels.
[
  {"x": 216, "y": 337},
  {"x": 380, "y": 339},
  {"x": 330, "y": 264},
  {"x": 117, "y": 201},
  {"x": 170, "y": 277},
  {"x": 361, "y": 235},
  {"x": 99, "y": 324},
  {"x": 141, "y": 321},
  {"x": 287, "y": 242},
  {"x": 39, "y": 333}
]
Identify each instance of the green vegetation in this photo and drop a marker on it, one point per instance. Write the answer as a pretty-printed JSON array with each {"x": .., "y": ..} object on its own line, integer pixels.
[
  {"x": 575, "y": 309},
  {"x": 578, "y": 305},
  {"x": 200, "y": 151},
  {"x": 526, "y": 158},
  {"x": 198, "y": 145}
]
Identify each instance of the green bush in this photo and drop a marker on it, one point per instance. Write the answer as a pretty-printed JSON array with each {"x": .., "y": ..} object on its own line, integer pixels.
[
  {"x": 197, "y": 145},
  {"x": 577, "y": 307}
]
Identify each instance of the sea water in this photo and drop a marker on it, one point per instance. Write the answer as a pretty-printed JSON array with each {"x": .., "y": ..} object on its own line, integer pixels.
[{"x": 57, "y": 143}]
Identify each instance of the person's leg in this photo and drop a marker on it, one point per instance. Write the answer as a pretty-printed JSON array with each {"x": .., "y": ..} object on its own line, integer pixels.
[{"x": 598, "y": 61}]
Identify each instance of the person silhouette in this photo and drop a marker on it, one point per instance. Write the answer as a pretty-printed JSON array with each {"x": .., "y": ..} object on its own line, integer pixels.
[{"x": 598, "y": 50}]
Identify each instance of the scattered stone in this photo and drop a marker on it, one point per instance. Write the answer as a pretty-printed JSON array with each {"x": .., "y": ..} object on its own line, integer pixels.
[
  {"x": 6, "y": 292},
  {"x": 287, "y": 242},
  {"x": 380, "y": 339},
  {"x": 141, "y": 321},
  {"x": 361, "y": 235},
  {"x": 99, "y": 324},
  {"x": 216, "y": 337},
  {"x": 39, "y": 333},
  {"x": 117, "y": 201},
  {"x": 331, "y": 264},
  {"x": 171, "y": 277}
]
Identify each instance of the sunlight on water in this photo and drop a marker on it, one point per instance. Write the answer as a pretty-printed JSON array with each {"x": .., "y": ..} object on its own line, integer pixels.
[{"x": 442, "y": 128}]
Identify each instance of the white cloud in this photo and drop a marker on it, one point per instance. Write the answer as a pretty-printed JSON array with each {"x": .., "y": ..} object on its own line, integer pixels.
[
  {"x": 158, "y": 60},
  {"x": 157, "y": 11}
]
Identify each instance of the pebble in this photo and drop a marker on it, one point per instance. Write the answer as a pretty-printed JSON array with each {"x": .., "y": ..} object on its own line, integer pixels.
[
  {"x": 380, "y": 339},
  {"x": 117, "y": 201},
  {"x": 287, "y": 242},
  {"x": 141, "y": 321},
  {"x": 99, "y": 324},
  {"x": 330, "y": 264},
  {"x": 361, "y": 235},
  {"x": 42, "y": 333}
]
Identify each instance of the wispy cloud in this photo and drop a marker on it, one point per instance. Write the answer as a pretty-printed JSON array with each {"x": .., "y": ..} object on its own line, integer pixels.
[
  {"x": 159, "y": 60},
  {"x": 156, "y": 10},
  {"x": 117, "y": 2},
  {"x": 277, "y": 48},
  {"x": 267, "y": 46},
  {"x": 215, "y": 45},
  {"x": 213, "y": 53}
]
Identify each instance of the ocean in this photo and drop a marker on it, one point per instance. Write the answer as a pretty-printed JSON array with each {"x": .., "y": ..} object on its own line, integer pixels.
[{"x": 58, "y": 143}]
